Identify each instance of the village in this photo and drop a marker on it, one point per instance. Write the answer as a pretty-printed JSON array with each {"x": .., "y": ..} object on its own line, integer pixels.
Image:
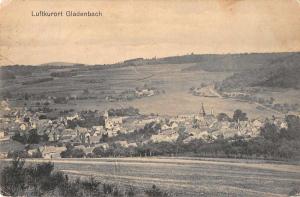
[{"x": 88, "y": 130}]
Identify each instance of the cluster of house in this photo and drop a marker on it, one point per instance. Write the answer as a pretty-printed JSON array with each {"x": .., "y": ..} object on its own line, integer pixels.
[
  {"x": 133, "y": 94},
  {"x": 24, "y": 121},
  {"x": 145, "y": 92},
  {"x": 193, "y": 126},
  {"x": 207, "y": 91},
  {"x": 208, "y": 128}
]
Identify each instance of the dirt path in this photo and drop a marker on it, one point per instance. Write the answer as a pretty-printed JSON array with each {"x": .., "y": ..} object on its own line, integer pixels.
[
  {"x": 173, "y": 161},
  {"x": 213, "y": 91}
]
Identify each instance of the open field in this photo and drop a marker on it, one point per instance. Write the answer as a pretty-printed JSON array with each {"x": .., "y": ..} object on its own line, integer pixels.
[
  {"x": 190, "y": 177},
  {"x": 114, "y": 80},
  {"x": 184, "y": 103},
  {"x": 172, "y": 79},
  {"x": 181, "y": 103}
]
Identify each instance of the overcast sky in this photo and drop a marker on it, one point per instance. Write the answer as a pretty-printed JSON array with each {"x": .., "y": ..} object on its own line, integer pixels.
[{"x": 130, "y": 29}]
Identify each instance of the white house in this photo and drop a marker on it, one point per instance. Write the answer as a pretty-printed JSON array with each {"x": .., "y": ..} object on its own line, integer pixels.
[
  {"x": 2, "y": 134},
  {"x": 75, "y": 116},
  {"x": 50, "y": 152},
  {"x": 23, "y": 127}
]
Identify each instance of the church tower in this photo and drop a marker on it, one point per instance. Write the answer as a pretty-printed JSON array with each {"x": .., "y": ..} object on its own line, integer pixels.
[{"x": 202, "y": 110}]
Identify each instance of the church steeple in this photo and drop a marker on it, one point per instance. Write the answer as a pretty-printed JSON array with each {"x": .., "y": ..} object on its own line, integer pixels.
[{"x": 202, "y": 110}]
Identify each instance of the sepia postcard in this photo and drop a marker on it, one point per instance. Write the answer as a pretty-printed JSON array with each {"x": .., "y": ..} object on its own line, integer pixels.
[{"x": 150, "y": 98}]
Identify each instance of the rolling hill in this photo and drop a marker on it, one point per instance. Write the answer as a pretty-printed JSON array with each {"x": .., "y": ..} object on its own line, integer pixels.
[
  {"x": 250, "y": 69},
  {"x": 282, "y": 72}
]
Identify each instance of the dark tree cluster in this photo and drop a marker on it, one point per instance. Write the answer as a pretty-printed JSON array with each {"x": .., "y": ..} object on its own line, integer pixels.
[
  {"x": 130, "y": 111},
  {"x": 88, "y": 120},
  {"x": 31, "y": 137},
  {"x": 72, "y": 152},
  {"x": 24, "y": 154},
  {"x": 18, "y": 179},
  {"x": 238, "y": 115}
]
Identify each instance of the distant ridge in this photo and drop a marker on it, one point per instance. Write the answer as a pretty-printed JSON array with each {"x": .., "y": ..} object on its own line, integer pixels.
[
  {"x": 207, "y": 60},
  {"x": 283, "y": 72},
  {"x": 60, "y": 64},
  {"x": 249, "y": 69}
]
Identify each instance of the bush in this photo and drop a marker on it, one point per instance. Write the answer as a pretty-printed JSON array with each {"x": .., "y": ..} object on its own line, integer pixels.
[
  {"x": 223, "y": 117},
  {"x": 38, "y": 177},
  {"x": 91, "y": 186},
  {"x": 13, "y": 178},
  {"x": 130, "y": 192},
  {"x": 24, "y": 154},
  {"x": 270, "y": 132},
  {"x": 293, "y": 131},
  {"x": 238, "y": 115},
  {"x": 78, "y": 153},
  {"x": 17, "y": 154},
  {"x": 107, "y": 188},
  {"x": 40, "y": 180},
  {"x": 130, "y": 111},
  {"x": 60, "y": 100},
  {"x": 73, "y": 153},
  {"x": 19, "y": 138},
  {"x": 89, "y": 119},
  {"x": 52, "y": 182},
  {"x": 31, "y": 138},
  {"x": 155, "y": 192},
  {"x": 99, "y": 151}
]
